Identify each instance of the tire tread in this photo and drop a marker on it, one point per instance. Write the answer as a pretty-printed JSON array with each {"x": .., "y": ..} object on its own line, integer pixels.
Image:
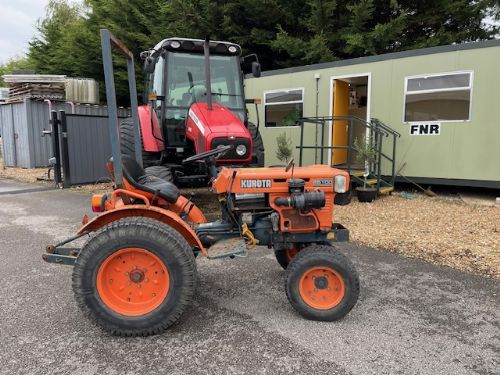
[{"x": 157, "y": 231}]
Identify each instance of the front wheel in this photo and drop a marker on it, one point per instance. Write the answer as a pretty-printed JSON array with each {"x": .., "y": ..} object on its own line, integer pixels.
[
  {"x": 135, "y": 277},
  {"x": 322, "y": 283},
  {"x": 258, "y": 146}
]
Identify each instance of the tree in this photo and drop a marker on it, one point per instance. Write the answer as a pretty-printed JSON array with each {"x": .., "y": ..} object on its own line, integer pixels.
[
  {"x": 16, "y": 63},
  {"x": 282, "y": 32},
  {"x": 50, "y": 51},
  {"x": 348, "y": 28},
  {"x": 284, "y": 151}
]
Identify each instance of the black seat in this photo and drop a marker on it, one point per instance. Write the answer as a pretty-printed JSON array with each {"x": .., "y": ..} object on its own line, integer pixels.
[{"x": 138, "y": 178}]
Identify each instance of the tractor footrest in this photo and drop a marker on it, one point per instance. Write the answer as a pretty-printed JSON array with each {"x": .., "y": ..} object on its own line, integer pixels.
[
  {"x": 59, "y": 259},
  {"x": 193, "y": 180},
  {"x": 61, "y": 255},
  {"x": 341, "y": 233},
  {"x": 229, "y": 247}
]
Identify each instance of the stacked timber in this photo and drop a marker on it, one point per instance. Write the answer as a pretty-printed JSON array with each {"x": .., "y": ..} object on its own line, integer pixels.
[{"x": 35, "y": 86}]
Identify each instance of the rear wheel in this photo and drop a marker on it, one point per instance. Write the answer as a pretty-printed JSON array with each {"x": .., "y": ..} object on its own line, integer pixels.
[
  {"x": 322, "y": 283},
  {"x": 258, "y": 146},
  {"x": 127, "y": 145},
  {"x": 285, "y": 256},
  {"x": 135, "y": 277}
]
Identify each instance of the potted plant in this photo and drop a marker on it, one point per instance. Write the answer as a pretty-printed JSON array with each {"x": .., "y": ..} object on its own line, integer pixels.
[
  {"x": 366, "y": 154},
  {"x": 284, "y": 151}
]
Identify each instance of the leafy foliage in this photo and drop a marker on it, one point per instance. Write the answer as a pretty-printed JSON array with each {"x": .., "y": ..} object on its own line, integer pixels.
[
  {"x": 284, "y": 150},
  {"x": 17, "y": 63},
  {"x": 282, "y": 32},
  {"x": 365, "y": 151}
]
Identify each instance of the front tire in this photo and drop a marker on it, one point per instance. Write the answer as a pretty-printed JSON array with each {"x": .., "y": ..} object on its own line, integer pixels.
[
  {"x": 322, "y": 283},
  {"x": 135, "y": 277}
]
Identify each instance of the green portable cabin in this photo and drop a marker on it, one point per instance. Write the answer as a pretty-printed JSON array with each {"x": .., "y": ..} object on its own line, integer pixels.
[{"x": 443, "y": 101}]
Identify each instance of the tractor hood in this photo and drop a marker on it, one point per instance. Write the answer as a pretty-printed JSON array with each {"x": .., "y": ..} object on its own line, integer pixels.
[
  {"x": 209, "y": 129},
  {"x": 219, "y": 120}
]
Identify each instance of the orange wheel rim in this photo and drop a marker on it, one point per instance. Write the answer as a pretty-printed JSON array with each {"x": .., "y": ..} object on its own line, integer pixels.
[
  {"x": 133, "y": 281},
  {"x": 290, "y": 253},
  {"x": 321, "y": 288}
]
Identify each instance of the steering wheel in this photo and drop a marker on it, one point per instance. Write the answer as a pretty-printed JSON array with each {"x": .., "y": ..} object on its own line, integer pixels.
[{"x": 217, "y": 152}]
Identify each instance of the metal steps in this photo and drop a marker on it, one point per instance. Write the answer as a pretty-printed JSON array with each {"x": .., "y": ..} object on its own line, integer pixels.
[
  {"x": 383, "y": 186},
  {"x": 386, "y": 190}
]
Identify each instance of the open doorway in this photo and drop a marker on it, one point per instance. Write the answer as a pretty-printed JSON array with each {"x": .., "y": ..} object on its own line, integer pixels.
[{"x": 350, "y": 96}]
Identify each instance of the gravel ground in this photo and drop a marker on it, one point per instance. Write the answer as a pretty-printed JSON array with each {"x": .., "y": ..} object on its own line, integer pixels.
[
  {"x": 412, "y": 317},
  {"x": 439, "y": 230}
]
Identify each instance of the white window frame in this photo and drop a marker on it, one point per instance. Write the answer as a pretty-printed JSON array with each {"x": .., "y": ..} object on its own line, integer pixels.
[
  {"x": 277, "y": 103},
  {"x": 470, "y": 88}
]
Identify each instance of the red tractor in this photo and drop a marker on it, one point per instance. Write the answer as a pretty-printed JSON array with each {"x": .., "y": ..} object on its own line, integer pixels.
[{"x": 194, "y": 103}]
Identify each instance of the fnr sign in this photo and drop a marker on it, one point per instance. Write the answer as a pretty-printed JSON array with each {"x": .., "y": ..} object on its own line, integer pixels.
[{"x": 425, "y": 129}]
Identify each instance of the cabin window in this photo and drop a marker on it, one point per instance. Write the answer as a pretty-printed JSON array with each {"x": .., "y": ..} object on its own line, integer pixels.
[
  {"x": 283, "y": 107},
  {"x": 443, "y": 97}
]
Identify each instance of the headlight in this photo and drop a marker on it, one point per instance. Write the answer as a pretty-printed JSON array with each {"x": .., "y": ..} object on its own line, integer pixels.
[
  {"x": 175, "y": 44},
  {"x": 241, "y": 150},
  {"x": 232, "y": 49},
  {"x": 340, "y": 184}
]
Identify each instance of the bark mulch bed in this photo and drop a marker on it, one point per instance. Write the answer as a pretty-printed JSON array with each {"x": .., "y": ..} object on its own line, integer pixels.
[{"x": 439, "y": 230}]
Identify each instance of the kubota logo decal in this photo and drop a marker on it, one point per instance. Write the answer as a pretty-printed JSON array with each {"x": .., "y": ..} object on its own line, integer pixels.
[{"x": 255, "y": 184}]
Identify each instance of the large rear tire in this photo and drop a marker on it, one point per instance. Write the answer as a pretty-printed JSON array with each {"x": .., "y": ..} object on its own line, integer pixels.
[
  {"x": 135, "y": 277},
  {"x": 160, "y": 171},
  {"x": 127, "y": 145},
  {"x": 322, "y": 283},
  {"x": 258, "y": 146}
]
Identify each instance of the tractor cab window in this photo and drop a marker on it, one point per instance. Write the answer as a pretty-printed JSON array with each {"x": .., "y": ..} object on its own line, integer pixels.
[
  {"x": 158, "y": 78},
  {"x": 186, "y": 80}
]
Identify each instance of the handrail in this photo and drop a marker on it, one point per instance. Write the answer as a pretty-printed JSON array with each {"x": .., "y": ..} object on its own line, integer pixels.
[
  {"x": 322, "y": 119},
  {"x": 378, "y": 131},
  {"x": 385, "y": 127}
]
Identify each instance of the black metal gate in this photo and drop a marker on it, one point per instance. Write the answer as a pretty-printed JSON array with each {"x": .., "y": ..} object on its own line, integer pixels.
[{"x": 83, "y": 145}]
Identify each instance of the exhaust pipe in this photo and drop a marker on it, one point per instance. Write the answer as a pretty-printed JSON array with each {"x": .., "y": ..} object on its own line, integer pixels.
[{"x": 208, "y": 84}]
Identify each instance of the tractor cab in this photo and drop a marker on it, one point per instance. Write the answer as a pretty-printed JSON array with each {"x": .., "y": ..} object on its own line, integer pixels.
[{"x": 195, "y": 101}]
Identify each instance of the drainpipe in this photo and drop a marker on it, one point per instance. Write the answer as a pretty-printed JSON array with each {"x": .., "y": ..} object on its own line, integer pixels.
[{"x": 317, "y": 77}]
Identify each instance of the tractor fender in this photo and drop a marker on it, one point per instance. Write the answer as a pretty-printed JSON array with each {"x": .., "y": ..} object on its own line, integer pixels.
[
  {"x": 152, "y": 138},
  {"x": 168, "y": 217}
]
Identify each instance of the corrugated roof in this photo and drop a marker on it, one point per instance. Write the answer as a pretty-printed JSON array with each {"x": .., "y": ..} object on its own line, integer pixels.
[
  {"x": 34, "y": 78},
  {"x": 383, "y": 57}
]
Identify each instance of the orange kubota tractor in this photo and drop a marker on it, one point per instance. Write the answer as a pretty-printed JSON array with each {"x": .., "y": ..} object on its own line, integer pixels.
[{"x": 136, "y": 274}]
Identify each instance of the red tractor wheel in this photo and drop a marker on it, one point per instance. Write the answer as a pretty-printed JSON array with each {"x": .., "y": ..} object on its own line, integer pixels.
[
  {"x": 258, "y": 146},
  {"x": 322, "y": 283},
  {"x": 135, "y": 277}
]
